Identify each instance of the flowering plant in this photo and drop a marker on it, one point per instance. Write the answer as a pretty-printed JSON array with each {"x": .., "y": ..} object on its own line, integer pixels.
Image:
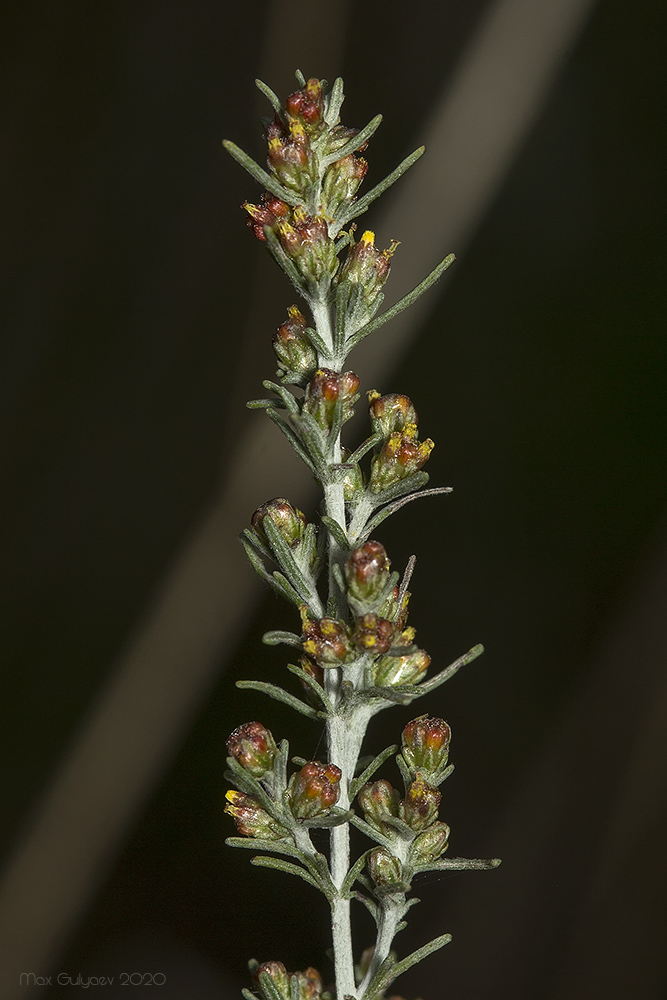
[{"x": 356, "y": 655}]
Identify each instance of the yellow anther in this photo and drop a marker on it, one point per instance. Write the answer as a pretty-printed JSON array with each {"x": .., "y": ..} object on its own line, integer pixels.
[
  {"x": 373, "y": 394},
  {"x": 232, "y": 795},
  {"x": 368, "y": 238}
]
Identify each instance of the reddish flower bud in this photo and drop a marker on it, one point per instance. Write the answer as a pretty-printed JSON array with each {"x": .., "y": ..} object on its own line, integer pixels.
[
  {"x": 429, "y": 845},
  {"x": 373, "y": 634},
  {"x": 367, "y": 573},
  {"x": 324, "y": 390},
  {"x": 379, "y": 800},
  {"x": 290, "y": 161},
  {"x": 426, "y": 744},
  {"x": 384, "y": 868},
  {"x": 327, "y": 640},
  {"x": 308, "y": 243},
  {"x": 254, "y": 747},
  {"x": 296, "y": 354},
  {"x": 400, "y": 456},
  {"x": 391, "y": 610},
  {"x": 268, "y": 213},
  {"x": 394, "y": 671},
  {"x": 419, "y": 808},
  {"x": 393, "y": 412},
  {"x": 314, "y": 790},
  {"x": 307, "y": 104},
  {"x": 251, "y": 820},
  {"x": 289, "y": 521}
]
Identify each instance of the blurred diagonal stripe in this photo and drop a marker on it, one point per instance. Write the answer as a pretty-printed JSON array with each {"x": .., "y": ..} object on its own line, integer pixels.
[{"x": 125, "y": 743}]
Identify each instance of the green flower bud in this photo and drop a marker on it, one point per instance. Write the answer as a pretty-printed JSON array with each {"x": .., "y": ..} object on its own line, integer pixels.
[
  {"x": 373, "y": 634},
  {"x": 426, "y": 744},
  {"x": 341, "y": 182},
  {"x": 390, "y": 413},
  {"x": 429, "y": 845},
  {"x": 361, "y": 279},
  {"x": 419, "y": 808},
  {"x": 279, "y": 975},
  {"x": 379, "y": 800},
  {"x": 251, "y": 820},
  {"x": 394, "y": 671},
  {"x": 323, "y": 392},
  {"x": 314, "y": 789},
  {"x": 289, "y": 521},
  {"x": 367, "y": 573},
  {"x": 310, "y": 984},
  {"x": 384, "y": 868},
  {"x": 294, "y": 351},
  {"x": 290, "y": 158},
  {"x": 352, "y": 479},
  {"x": 327, "y": 641},
  {"x": 400, "y": 456},
  {"x": 253, "y": 746}
]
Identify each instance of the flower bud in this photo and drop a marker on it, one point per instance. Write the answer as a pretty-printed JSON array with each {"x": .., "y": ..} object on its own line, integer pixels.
[
  {"x": 279, "y": 975},
  {"x": 341, "y": 182},
  {"x": 367, "y": 573},
  {"x": 294, "y": 351},
  {"x": 390, "y": 413},
  {"x": 314, "y": 790},
  {"x": 379, "y": 800},
  {"x": 365, "y": 271},
  {"x": 307, "y": 104},
  {"x": 327, "y": 640},
  {"x": 308, "y": 244},
  {"x": 251, "y": 820},
  {"x": 324, "y": 390},
  {"x": 384, "y": 868},
  {"x": 430, "y": 844},
  {"x": 268, "y": 213},
  {"x": 419, "y": 808},
  {"x": 253, "y": 746},
  {"x": 373, "y": 634},
  {"x": 426, "y": 744},
  {"x": 394, "y": 671},
  {"x": 391, "y": 610},
  {"x": 310, "y": 984},
  {"x": 289, "y": 521},
  {"x": 352, "y": 479},
  {"x": 400, "y": 456},
  {"x": 290, "y": 160}
]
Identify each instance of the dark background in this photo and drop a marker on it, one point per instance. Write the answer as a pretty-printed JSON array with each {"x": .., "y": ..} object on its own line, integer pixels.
[{"x": 127, "y": 271}]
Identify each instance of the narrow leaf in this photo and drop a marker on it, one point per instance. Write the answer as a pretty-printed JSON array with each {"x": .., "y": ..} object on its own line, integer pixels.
[
  {"x": 269, "y": 988},
  {"x": 292, "y": 438},
  {"x": 460, "y": 864},
  {"x": 369, "y": 771},
  {"x": 282, "y": 586},
  {"x": 353, "y": 145},
  {"x": 355, "y": 870},
  {"x": 283, "y": 261},
  {"x": 260, "y": 175},
  {"x": 285, "y": 559},
  {"x": 368, "y": 903},
  {"x": 334, "y": 103},
  {"x": 336, "y": 531},
  {"x": 257, "y": 844},
  {"x": 247, "y": 995},
  {"x": 285, "y": 866},
  {"x": 277, "y": 636},
  {"x": 364, "y": 448},
  {"x": 294, "y": 989},
  {"x": 413, "y": 482},
  {"x": 397, "y": 504},
  {"x": 362, "y": 205},
  {"x": 286, "y": 396},
  {"x": 272, "y": 98},
  {"x": 434, "y": 682},
  {"x": 402, "y": 304},
  {"x": 326, "y": 822},
  {"x": 313, "y": 684},
  {"x": 371, "y": 832},
  {"x": 300, "y": 78},
  {"x": 279, "y": 694}
]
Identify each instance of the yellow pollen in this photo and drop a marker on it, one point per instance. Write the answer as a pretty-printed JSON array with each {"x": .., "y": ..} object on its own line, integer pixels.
[
  {"x": 275, "y": 144},
  {"x": 232, "y": 795},
  {"x": 373, "y": 394},
  {"x": 310, "y": 647},
  {"x": 368, "y": 238},
  {"x": 293, "y": 312},
  {"x": 299, "y": 214}
]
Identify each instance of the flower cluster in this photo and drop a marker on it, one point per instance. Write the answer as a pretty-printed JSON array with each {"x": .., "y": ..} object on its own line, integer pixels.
[{"x": 356, "y": 652}]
